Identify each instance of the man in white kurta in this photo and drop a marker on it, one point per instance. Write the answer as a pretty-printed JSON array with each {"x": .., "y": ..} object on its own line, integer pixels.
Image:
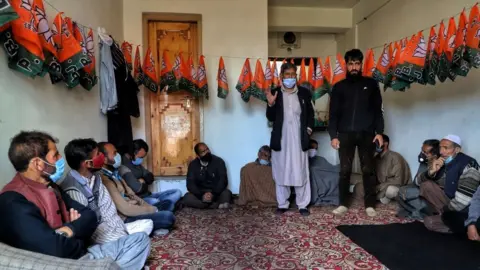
[{"x": 290, "y": 164}]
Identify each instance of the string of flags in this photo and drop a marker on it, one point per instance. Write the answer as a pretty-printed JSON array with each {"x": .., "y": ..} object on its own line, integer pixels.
[{"x": 66, "y": 53}]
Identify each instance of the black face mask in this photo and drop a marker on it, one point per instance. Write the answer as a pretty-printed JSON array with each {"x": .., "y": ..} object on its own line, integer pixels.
[
  {"x": 207, "y": 157},
  {"x": 422, "y": 158}
]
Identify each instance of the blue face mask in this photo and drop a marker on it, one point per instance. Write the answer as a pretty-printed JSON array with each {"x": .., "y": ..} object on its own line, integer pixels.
[
  {"x": 263, "y": 162},
  {"x": 289, "y": 83},
  {"x": 137, "y": 161},
  {"x": 118, "y": 161},
  {"x": 59, "y": 170},
  {"x": 448, "y": 159}
]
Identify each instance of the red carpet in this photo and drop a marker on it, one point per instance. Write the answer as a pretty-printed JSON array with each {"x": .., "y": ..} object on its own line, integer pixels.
[{"x": 256, "y": 238}]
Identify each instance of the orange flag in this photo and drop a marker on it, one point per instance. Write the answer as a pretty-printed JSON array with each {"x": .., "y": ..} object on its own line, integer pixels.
[
  {"x": 440, "y": 55},
  {"x": 88, "y": 78},
  {"x": 151, "y": 78},
  {"x": 222, "y": 88},
  {"x": 450, "y": 47},
  {"x": 411, "y": 65},
  {"x": 268, "y": 75},
  {"x": 311, "y": 73},
  {"x": 176, "y": 66},
  {"x": 430, "y": 65},
  {"x": 202, "y": 84},
  {"x": 127, "y": 51},
  {"x": 327, "y": 74},
  {"x": 168, "y": 81},
  {"x": 303, "y": 80},
  {"x": 21, "y": 41},
  {"x": 319, "y": 88},
  {"x": 244, "y": 83},
  {"x": 459, "y": 65},
  {"x": 340, "y": 71},
  {"x": 258, "y": 90},
  {"x": 188, "y": 76},
  {"x": 138, "y": 71},
  {"x": 276, "y": 77},
  {"x": 398, "y": 83},
  {"x": 473, "y": 38},
  {"x": 369, "y": 65},
  {"x": 394, "y": 48},
  {"x": 380, "y": 74},
  {"x": 51, "y": 65},
  {"x": 70, "y": 53}
]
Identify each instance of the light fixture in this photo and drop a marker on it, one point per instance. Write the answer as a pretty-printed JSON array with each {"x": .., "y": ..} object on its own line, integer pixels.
[{"x": 187, "y": 101}]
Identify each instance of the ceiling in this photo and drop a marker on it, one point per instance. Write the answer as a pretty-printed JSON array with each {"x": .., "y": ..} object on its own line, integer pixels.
[{"x": 314, "y": 3}]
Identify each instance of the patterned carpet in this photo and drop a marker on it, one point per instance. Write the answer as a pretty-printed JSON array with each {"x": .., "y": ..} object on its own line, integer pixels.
[{"x": 256, "y": 238}]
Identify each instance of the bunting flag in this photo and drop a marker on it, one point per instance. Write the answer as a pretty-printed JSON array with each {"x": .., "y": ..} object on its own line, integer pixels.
[
  {"x": 258, "y": 90},
  {"x": 151, "y": 79},
  {"x": 442, "y": 62},
  {"x": 369, "y": 64},
  {"x": 268, "y": 75},
  {"x": 411, "y": 65},
  {"x": 222, "y": 82},
  {"x": 308, "y": 75},
  {"x": 51, "y": 64},
  {"x": 340, "y": 71},
  {"x": 276, "y": 77},
  {"x": 188, "y": 76},
  {"x": 176, "y": 66},
  {"x": 327, "y": 74},
  {"x": 459, "y": 65},
  {"x": 138, "y": 75},
  {"x": 430, "y": 66},
  {"x": 244, "y": 83},
  {"x": 70, "y": 54},
  {"x": 450, "y": 48},
  {"x": 7, "y": 12},
  {"x": 202, "y": 83},
  {"x": 21, "y": 42},
  {"x": 472, "y": 52},
  {"x": 88, "y": 77},
  {"x": 391, "y": 67},
  {"x": 127, "y": 51},
  {"x": 399, "y": 84},
  {"x": 383, "y": 64},
  {"x": 302, "y": 78},
  {"x": 319, "y": 87},
  {"x": 167, "y": 78}
]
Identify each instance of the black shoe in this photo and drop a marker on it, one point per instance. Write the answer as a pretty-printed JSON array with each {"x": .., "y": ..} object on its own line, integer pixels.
[
  {"x": 281, "y": 211},
  {"x": 304, "y": 212}
]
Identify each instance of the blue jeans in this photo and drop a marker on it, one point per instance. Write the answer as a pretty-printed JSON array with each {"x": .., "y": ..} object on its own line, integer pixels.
[
  {"x": 164, "y": 201},
  {"x": 161, "y": 219}
]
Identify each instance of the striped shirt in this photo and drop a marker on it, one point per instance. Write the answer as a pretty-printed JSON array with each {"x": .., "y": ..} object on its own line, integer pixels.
[{"x": 112, "y": 226}]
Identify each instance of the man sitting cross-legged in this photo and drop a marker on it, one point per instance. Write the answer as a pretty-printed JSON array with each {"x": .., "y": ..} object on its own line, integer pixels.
[{"x": 38, "y": 216}]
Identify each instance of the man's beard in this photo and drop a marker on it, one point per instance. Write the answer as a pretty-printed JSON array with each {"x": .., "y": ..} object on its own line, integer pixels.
[{"x": 354, "y": 75}]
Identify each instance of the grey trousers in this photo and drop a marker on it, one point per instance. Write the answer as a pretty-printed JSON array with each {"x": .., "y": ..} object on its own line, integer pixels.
[{"x": 129, "y": 252}]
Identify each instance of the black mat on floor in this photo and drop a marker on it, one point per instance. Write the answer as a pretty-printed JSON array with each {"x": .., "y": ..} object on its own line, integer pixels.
[{"x": 411, "y": 246}]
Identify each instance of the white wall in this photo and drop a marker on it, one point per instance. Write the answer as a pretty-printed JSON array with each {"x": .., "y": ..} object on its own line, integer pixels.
[
  {"x": 423, "y": 112},
  {"x": 28, "y": 104},
  {"x": 234, "y": 29},
  {"x": 312, "y": 45}
]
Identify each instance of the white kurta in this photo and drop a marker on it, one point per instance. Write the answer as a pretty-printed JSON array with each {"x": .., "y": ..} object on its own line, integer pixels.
[{"x": 290, "y": 164}]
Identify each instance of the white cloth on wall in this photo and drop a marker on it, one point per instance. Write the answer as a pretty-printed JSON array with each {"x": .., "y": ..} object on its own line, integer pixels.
[{"x": 108, "y": 88}]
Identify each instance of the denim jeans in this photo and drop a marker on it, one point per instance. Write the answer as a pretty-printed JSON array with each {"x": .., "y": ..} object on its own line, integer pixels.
[
  {"x": 164, "y": 201},
  {"x": 161, "y": 219}
]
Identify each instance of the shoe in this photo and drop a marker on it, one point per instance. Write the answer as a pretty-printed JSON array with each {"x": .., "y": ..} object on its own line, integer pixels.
[
  {"x": 340, "y": 210},
  {"x": 281, "y": 211},
  {"x": 371, "y": 212},
  {"x": 224, "y": 206},
  {"x": 304, "y": 212}
]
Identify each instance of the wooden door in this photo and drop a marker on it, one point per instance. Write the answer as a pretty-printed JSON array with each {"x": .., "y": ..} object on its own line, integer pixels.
[{"x": 175, "y": 118}]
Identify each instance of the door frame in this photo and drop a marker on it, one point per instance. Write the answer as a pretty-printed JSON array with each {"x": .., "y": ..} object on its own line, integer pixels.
[{"x": 166, "y": 17}]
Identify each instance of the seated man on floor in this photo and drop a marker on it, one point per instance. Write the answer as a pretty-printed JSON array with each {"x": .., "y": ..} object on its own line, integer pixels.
[
  {"x": 465, "y": 222},
  {"x": 449, "y": 184},
  {"x": 410, "y": 203},
  {"x": 324, "y": 178},
  {"x": 38, "y": 216},
  {"x": 138, "y": 178},
  {"x": 256, "y": 181},
  {"x": 128, "y": 204},
  {"x": 207, "y": 181},
  {"x": 84, "y": 184}
]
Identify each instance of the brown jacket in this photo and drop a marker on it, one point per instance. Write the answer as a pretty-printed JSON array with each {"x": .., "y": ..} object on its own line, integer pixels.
[
  {"x": 128, "y": 204},
  {"x": 392, "y": 170}
]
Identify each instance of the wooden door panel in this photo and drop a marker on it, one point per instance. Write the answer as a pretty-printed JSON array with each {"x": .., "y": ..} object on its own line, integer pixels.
[{"x": 174, "y": 124}]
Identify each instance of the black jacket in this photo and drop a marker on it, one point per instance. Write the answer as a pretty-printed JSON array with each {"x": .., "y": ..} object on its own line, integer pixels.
[
  {"x": 356, "y": 106},
  {"x": 307, "y": 118},
  {"x": 212, "y": 178}
]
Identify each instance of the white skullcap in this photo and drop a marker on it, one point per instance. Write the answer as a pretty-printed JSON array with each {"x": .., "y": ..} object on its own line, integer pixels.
[{"x": 453, "y": 138}]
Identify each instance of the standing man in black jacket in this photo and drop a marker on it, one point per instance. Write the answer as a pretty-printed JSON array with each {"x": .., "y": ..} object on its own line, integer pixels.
[{"x": 356, "y": 120}]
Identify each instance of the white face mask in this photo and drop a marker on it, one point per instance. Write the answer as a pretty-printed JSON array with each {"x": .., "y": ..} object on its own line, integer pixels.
[{"x": 312, "y": 153}]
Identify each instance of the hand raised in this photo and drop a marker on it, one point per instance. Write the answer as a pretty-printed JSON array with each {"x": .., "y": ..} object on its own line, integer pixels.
[{"x": 271, "y": 98}]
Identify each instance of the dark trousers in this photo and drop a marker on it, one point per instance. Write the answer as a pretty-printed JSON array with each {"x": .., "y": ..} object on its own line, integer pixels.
[
  {"x": 456, "y": 221},
  {"x": 366, "y": 149},
  {"x": 190, "y": 200}
]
